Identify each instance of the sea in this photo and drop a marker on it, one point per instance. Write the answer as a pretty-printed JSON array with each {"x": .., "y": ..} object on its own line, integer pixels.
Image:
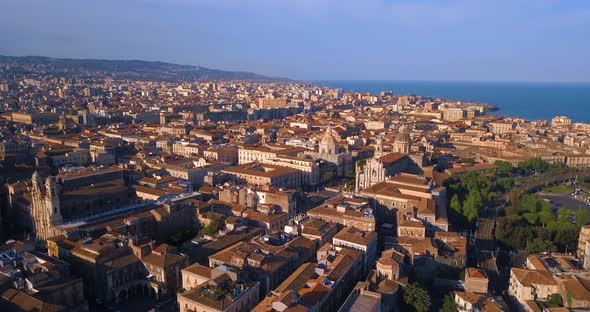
[{"x": 528, "y": 100}]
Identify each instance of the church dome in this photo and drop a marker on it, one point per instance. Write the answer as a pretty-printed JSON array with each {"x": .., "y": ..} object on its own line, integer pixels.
[{"x": 328, "y": 144}]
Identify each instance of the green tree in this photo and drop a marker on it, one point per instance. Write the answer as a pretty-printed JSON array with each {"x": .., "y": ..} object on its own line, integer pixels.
[
  {"x": 514, "y": 199},
  {"x": 449, "y": 304},
  {"x": 217, "y": 223},
  {"x": 531, "y": 217},
  {"x": 538, "y": 245},
  {"x": 581, "y": 217},
  {"x": 513, "y": 232},
  {"x": 416, "y": 299},
  {"x": 554, "y": 301},
  {"x": 473, "y": 205},
  {"x": 563, "y": 214},
  {"x": 504, "y": 167},
  {"x": 505, "y": 184},
  {"x": 534, "y": 164},
  {"x": 564, "y": 235},
  {"x": 456, "y": 204},
  {"x": 546, "y": 215}
]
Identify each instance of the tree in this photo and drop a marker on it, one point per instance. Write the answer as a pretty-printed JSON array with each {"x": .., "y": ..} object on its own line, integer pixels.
[
  {"x": 456, "y": 204},
  {"x": 564, "y": 235},
  {"x": 514, "y": 198},
  {"x": 538, "y": 245},
  {"x": 563, "y": 214},
  {"x": 416, "y": 299},
  {"x": 473, "y": 205},
  {"x": 531, "y": 217},
  {"x": 581, "y": 217},
  {"x": 504, "y": 167},
  {"x": 546, "y": 215},
  {"x": 537, "y": 165},
  {"x": 449, "y": 304},
  {"x": 513, "y": 232},
  {"x": 554, "y": 301},
  {"x": 217, "y": 223},
  {"x": 505, "y": 184}
]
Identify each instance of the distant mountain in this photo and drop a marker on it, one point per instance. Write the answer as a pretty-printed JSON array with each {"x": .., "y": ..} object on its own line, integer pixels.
[{"x": 128, "y": 69}]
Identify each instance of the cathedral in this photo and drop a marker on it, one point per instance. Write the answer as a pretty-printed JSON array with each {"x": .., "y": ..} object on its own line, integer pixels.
[
  {"x": 381, "y": 165},
  {"x": 43, "y": 205},
  {"x": 331, "y": 151}
]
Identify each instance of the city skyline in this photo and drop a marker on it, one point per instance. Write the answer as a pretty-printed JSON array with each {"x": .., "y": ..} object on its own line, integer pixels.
[
  {"x": 294, "y": 155},
  {"x": 318, "y": 40}
]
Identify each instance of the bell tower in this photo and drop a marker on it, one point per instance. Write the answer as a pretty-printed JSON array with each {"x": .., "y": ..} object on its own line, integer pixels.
[
  {"x": 52, "y": 203},
  {"x": 379, "y": 147}
]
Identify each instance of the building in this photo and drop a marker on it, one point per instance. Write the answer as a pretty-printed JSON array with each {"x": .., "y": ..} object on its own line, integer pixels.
[
  {"x": 309, "y": 167},
  {"x": 267, "y": 261},
  {"x": 501, "y": 127},
  {"x": 221, "y": 293},
  {"x": 43, "y": 277},
  {"x": 411, "y": 202},
  {"x": 353, "y": 238},
  {"x": 46, "y": 204},
  {"x": 113, "y": 269},
  {"x": 584, "y": 246},
  {"x": 559, "y": 121},
  {"x": 330, "y": 151},
  {"x": 39, "y": 118},
  {"x": 318, "y": 230},
  {"x": 575, "y": 292},
  {"x": 467, "y": 302},
  {"x": 453, "y": 114},
  {"x": 403, "y": 142},
  {"x": 390, "y": 266},
  {"x": 361, "y": 299},
  {"x": 531, "y": 285},
  {"x": 321, "y": 286},
  {"x": 248, "y": 153},
  {"x": 265, "y": 198},
  {"x": 272, "y": 103},
  {"x": 226, "y": 154},
  {"x": 268, "y": 219},
  {"x": 267, "y": 174},
  {"x": 186, "y": 150},
  {"x": 381, "y": 166},
  {"x": 195, "y": 275},
  {"x": 348, "y": 211},
  {"x": 476, "y": 281}
]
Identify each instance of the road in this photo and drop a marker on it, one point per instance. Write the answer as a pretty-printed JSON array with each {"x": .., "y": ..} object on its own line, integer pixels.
[
  {"x": 566, "y": 201},
  {"x": 485, "y": 252}
]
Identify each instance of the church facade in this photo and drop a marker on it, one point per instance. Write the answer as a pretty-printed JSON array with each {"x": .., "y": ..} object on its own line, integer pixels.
[
  {"x": 44, "y": 204},
  {"x": 381, "y": 166}
]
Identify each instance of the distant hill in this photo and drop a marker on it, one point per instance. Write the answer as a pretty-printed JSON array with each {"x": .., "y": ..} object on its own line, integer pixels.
[{"x": 128, "y": 69}]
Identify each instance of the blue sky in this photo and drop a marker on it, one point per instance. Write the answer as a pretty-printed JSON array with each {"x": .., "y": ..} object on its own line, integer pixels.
[{"x": 495, "y": 40}]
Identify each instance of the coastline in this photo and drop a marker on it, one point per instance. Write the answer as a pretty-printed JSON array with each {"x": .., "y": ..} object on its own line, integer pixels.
[{"x": 527, "y": 100}]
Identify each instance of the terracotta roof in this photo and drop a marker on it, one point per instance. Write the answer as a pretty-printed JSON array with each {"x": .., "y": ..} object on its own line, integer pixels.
[
  {"x": 578, "y": 288},
  {"x": 476, "y": 273},
  {"x": 356, "y": 236},
  {"x": 391, "y": 158},
  {"x": 533, "y": 277},
  {"x": 23, "y": 302}
]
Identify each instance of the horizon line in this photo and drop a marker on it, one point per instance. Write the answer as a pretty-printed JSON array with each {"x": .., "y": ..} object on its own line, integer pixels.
[{"x": 287, "y": 77}]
